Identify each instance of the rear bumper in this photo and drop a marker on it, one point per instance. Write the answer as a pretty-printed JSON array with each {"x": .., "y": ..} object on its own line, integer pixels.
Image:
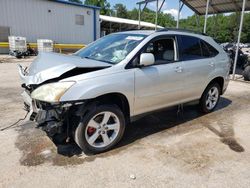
[{"x": 226, "y": 82}]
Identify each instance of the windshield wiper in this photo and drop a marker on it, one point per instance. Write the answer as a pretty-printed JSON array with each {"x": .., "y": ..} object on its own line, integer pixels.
[{"x": 88, "y": 57}]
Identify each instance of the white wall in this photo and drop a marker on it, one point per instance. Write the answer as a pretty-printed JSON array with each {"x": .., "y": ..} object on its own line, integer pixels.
[{"x": 32, "y": 19}]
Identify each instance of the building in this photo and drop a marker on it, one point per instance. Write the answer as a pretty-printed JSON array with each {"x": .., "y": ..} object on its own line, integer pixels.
[{"x": 60, "y": 21}]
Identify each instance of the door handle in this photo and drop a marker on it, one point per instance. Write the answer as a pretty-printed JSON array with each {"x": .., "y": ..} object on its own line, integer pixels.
[
  {"x": 211, "y": 64},
  {"x": 178, "y": 69}
]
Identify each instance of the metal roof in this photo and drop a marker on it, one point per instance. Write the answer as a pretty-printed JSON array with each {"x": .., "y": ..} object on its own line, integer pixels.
[
  {"x": 75, "y": 4},
  {"x": 216, "y": 6},
  {"x": 130, "y": 24}
]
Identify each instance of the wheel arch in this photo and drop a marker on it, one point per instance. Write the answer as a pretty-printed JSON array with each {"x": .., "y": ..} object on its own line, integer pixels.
[
  {"x": 118, "y": 99},
  {"x": 220, "y": 81}
]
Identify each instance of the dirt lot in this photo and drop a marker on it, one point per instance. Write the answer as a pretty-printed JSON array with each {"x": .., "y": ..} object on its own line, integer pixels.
[{"x": 160, "y": 150}]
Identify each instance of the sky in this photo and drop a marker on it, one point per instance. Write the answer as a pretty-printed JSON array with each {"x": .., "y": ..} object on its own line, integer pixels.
[{"x": 170, "y": 6}]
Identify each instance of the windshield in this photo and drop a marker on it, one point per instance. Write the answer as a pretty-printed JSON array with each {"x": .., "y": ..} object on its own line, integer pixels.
[{"x": 111, "y": 48}]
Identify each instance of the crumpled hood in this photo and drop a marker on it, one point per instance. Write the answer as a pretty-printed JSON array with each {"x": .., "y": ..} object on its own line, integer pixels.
[{"x": 52, "y": 65}]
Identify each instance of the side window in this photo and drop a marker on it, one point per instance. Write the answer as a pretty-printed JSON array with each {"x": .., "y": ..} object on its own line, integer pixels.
[
  {"x": 211, "y": 50},
  {"x": 162, "y": 49},
  {"x": 190, "y": 48},
  {"x": 205, "y": 50}
]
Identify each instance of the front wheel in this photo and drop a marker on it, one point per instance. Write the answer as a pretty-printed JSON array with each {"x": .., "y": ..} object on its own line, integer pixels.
[
  {"x": 100, "y": 129},
  {"x": 210, "y": 98}
]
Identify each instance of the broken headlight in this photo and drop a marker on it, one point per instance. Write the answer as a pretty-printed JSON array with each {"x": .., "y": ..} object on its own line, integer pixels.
[{"x": 51, "y": 92}]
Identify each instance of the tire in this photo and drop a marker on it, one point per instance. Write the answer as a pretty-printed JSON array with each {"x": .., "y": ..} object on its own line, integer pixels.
[
  {"x": 246, "y": 73},
  {"x": 208, "y": 95},
  {"x": 93, "y": 129}
]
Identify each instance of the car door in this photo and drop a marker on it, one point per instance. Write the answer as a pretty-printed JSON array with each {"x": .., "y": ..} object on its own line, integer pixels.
[
  {"x": 197, "y": 64},
  {"x": 160, "y": 84}
]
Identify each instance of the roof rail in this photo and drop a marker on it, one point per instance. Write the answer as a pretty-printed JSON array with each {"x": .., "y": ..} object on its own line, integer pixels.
[{"x": 182, "y": 30}]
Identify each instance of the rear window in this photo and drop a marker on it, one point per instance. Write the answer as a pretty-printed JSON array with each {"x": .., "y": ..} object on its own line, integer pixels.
[
  {"x": 190, "y": 48},
  {"x": 208, "y": 50}
]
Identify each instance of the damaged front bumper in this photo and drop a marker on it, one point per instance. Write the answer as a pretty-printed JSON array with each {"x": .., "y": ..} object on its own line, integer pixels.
[
  {"x": 29, "y": 105},
  {"x": 48, "y": 119},
  {"x": 52, "y": 118}
]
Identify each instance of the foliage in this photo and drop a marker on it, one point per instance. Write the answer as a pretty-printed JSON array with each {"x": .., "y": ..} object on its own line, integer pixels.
[
  {"x": 147, "y": 15},
  {"x": 105, "y": 6},
  {"x": 223, "y": 28},
  {"x": 121, "y": 11}
]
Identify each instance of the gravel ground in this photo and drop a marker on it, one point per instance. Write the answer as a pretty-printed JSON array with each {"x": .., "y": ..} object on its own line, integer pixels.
[{"x": 161, "y": 150}]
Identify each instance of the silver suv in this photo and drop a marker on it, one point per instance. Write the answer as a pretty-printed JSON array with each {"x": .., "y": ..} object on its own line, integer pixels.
[{"x": 92, "y": 95}]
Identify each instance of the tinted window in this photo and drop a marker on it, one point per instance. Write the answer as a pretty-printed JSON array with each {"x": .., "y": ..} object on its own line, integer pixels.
[
  {"x": 190, "y": 48},
  {"x": 205, "y": 50},
  {"x": 212, "y": 51}
]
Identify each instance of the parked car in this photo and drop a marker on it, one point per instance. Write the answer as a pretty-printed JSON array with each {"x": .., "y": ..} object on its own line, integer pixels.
[{"x": 93, "y": 95}]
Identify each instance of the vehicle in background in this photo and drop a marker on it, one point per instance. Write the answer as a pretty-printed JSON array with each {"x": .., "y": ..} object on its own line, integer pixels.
[
  {"x": 229, "y": 46},
  {"x": 247, "y": 45},
  {"x": 246, "y": 51},
  {"x": 242, "y": 59},
  {"x": 91, "y": 96},
  {"x": 246, "y": 72}
]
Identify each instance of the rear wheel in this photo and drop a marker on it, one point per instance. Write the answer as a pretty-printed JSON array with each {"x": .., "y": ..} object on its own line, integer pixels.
[
  {"x": 210, "y": 98},
  {"x": 100, "y": 129},
  {"x": 246, "y": 73}
]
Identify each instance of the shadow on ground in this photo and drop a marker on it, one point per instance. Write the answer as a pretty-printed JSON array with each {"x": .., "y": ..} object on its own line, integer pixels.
[
  {"x": 166, "y": 119},
  {"x": 169, "y": 118},
  {"x": 37, "y": 148}
]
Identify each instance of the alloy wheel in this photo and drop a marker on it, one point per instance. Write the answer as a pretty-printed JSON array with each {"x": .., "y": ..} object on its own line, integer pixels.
[
  {"x": 212, "y": 98},
  {"x": 102, "y": 129}
]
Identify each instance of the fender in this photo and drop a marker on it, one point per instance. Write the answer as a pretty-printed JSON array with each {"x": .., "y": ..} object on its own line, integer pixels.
[{"x": 121, "y": 82}]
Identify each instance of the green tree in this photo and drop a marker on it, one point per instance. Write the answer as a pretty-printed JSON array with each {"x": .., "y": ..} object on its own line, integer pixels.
[
  {"x": 76, "y": 1},
  {"x": 166, "y": 20},
  {"x": 133, "y": 14},
  {"x": 105, "y": 6},
  {"x": 121, "y": 10},
  {"x": 147, "y": 15},
  {"x": 221, "y": 27}
]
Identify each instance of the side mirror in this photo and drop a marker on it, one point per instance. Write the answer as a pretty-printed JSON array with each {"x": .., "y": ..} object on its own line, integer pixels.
[{"x": 147, "y": 59}]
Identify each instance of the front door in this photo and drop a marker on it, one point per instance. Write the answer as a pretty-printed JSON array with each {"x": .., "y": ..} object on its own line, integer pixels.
[{"x": 159, "y": 85}]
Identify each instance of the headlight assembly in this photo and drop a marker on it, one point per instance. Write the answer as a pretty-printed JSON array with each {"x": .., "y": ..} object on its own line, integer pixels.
[{"x": 51, "y": 92}]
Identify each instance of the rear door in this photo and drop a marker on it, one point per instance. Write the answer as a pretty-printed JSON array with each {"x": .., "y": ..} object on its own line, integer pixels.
[{"x": 198, "y": 64}]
